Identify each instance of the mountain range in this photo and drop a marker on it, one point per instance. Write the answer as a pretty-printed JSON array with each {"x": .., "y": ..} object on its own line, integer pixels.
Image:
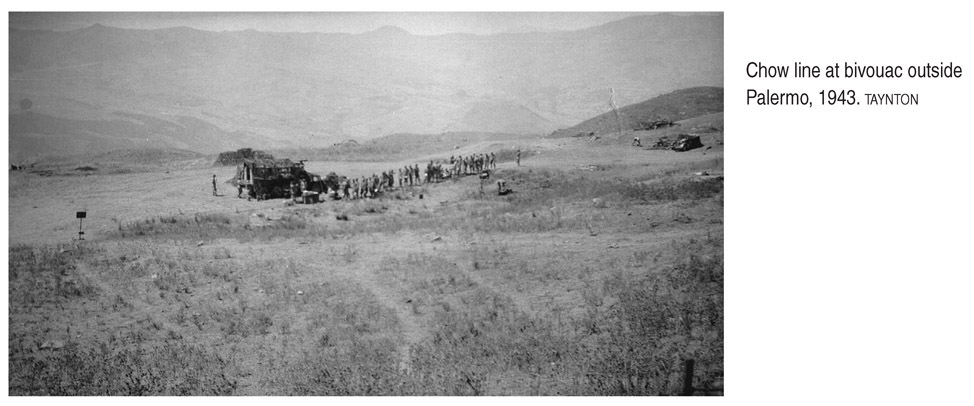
[{"x": 103, "y": 88}]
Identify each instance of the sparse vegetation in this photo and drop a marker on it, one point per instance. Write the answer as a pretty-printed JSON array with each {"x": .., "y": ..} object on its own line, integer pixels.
[{"x": 579, "y": 283}]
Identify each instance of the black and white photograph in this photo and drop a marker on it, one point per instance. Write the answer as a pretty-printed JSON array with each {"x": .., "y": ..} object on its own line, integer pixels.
[{"x": 366, "y": 203}]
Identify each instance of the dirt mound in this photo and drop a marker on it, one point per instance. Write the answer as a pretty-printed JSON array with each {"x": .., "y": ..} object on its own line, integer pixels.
[
  {"x": 232, "y": 158},
  {"x": 147, "y": 156}
]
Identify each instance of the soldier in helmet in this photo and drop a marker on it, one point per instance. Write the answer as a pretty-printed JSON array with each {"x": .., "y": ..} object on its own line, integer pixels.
[{"x": 214, "y": 185}]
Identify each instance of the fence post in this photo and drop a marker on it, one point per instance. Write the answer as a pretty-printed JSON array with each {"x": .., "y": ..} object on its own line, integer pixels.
[{"x": 687, "y": 378}]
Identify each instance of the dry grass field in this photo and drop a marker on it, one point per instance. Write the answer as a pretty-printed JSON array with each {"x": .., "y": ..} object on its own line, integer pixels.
[{"x": 600, "y": 275}]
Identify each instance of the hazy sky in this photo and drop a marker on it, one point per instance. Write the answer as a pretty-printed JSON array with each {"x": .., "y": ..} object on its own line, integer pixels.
[{"x": 421, "y": 23}]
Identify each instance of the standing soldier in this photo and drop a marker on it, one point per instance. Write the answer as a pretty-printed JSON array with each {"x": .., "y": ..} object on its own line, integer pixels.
[
  {"x": 214, "y": 185},
  {"x": 416, "y": 173},
  {"x": 518, "y": 157},
  {"x": 493, "y": 161},
  {"x": 295, "y": 189}
]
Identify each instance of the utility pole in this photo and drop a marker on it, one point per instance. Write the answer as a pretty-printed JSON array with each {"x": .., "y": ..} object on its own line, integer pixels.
[{"x": 612, "y": 102}]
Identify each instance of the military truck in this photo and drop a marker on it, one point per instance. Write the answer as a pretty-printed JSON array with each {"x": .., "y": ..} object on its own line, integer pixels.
[
  {"x": 282, "y": 178},
  {"x": 686, "y": 142}
]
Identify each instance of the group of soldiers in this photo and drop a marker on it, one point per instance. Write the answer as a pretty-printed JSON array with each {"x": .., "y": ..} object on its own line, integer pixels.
[
  {"x": 475, "y": 163},
  {"x": 371, "y": 186}
]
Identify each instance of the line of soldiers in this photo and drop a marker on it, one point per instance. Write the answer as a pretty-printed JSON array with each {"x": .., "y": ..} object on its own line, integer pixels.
[
  {"x": 371, "y": 186},
  {"x": 472, "y": 164},
  {"x": 366, "y": 186}
]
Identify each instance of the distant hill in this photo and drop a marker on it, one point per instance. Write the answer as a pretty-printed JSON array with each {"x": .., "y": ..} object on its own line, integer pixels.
[
  {"x": 102, "y": 88},
  {"x": 676, "y": 106},
  {"x": 395, "y": 146},
  {"x": 502, "y": 117}
]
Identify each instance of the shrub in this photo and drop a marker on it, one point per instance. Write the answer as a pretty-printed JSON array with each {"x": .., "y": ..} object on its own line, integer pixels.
[
  {"x": 171, "y": 370},
  {"x": 44, "y": 274},
  {"x": 659, "y": 321}
]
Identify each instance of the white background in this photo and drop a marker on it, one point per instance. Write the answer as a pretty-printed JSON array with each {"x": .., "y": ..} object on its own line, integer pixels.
[{"x": 848, "y": 229}]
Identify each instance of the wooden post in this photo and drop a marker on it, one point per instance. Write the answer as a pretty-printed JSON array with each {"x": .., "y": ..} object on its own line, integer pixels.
[
  {"x": 81, "y": 219},
  {"x": 688, "y": 378}
]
